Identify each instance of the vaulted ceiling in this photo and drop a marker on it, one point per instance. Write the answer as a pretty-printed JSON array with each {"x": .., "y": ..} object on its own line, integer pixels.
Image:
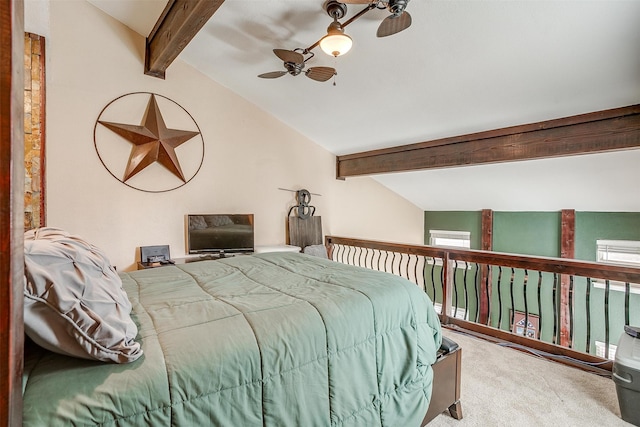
[{"x": 463, "y": 66}]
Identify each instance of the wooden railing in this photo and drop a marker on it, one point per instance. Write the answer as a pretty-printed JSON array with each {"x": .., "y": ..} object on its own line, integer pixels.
[{"x": 555, "y": 307}]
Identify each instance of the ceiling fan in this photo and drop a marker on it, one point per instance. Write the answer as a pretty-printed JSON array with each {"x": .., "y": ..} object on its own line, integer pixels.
[
  {"x": 338, "y": 42},
  {"x": 294, "y": 64}
]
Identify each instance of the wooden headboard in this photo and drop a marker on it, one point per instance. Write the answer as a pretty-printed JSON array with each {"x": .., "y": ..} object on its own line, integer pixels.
[
  {"x": 304, "y": 232},
  {"x": 11, "y": 210}
]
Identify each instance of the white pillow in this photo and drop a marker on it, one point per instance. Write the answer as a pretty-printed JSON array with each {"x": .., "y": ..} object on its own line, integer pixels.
[{"x": 74, "y": 301}]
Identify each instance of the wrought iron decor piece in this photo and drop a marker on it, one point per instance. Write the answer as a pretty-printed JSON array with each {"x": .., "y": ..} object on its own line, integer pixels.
[
  {"x": 151, "y": 146},
  {"x": 303, "y": 209}
]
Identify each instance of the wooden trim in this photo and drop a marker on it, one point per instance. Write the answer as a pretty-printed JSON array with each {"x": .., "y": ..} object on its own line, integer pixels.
[
  {"x": 567, "y": 250},
  {"x": 608, "y": 130},
  {"x": 11, "y": 210},
  {"x": 179, "y": 23},
  {"x": 567, "y": 356}
]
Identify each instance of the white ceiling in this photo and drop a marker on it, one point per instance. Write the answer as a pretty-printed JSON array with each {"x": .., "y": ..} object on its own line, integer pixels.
[{"x": 462, "y": 67}]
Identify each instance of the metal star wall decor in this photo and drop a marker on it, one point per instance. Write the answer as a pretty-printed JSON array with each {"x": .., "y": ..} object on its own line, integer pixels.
[{"x": 152, "y": 142}]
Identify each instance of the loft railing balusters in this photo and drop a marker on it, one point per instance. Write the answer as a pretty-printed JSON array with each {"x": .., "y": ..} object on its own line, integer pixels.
[
  {"x": 433, "y": 279},
  {"x": 571, "y": 311},
  {"x": 607, "y": 289},
  {"x": 627, "y": 292},
  {"x": 513, "y": 304},
  {"x": 526, "y": 306},
  {"x": 486, "y": 287},
  {"x": 555, "y": 294},
  {"x": 540, "y": 318},
  {"x": 466, "y": 292},
  {"x": 393, "y": 261},
  {"x": 386, "y": 257},
  {"x": 499, "y": 297},
  {"x": 588, "y": 309},
  {"x": 455, "y": 288},
  {"x": 443, "y": 284},
  {"x": 406, "y": 270},
  {"x": 477, "y": 287}
]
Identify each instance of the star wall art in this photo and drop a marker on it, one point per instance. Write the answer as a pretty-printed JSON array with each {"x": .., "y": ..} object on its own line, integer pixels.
[{"x": 163, "y": 152}]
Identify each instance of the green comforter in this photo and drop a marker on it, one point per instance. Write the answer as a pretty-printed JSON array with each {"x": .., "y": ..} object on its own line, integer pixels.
[{"x": 277, "y": 339}]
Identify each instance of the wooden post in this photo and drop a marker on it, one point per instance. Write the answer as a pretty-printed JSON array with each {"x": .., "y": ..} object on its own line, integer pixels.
[
  {"x": 485, "y": 277},
  {"x": 11, "y": 210},
  {"x": 567, "y": 250}
]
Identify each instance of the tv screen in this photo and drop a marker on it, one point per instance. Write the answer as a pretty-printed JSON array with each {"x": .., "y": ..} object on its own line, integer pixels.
[{"x": 219, "y": 233}]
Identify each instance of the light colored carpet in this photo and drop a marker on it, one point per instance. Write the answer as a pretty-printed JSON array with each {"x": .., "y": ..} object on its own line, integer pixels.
[{"x": 505, "y": 387}]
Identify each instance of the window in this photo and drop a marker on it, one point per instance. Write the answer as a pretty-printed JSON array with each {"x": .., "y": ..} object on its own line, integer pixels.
[
  {"x": 618, "y": 252},
  {"x": 459, "y": 239}
]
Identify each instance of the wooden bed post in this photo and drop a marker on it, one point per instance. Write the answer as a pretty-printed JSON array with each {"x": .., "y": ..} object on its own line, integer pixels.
[{"x": 11, "y": 210}]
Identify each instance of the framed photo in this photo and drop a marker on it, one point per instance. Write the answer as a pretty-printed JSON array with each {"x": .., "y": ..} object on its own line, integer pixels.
[{"x": 531, "y": 329}]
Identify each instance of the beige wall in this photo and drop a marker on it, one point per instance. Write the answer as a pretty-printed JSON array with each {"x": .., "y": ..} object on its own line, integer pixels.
[{"x": 93, "y": 59}]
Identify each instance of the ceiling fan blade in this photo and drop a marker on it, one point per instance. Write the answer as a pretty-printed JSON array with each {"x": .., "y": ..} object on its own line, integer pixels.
[
  {"x": 320, "y": 74},
  {"x": 394, "y": 24},
  {"x": 289, "y": 56},
  {"x": 272, "y": 74}
]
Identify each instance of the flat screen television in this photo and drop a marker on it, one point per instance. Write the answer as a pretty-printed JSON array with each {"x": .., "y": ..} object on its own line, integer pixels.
[{"x": 218, "y": 234}]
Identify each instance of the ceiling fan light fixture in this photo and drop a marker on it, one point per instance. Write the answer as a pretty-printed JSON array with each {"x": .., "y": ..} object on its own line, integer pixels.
[{"x": 336, "y": 42}]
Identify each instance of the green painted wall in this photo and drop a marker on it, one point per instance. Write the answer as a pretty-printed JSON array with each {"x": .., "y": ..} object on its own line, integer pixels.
[
  {"x": 538, "y": 233},
  {"x": 527, "y": 233}
]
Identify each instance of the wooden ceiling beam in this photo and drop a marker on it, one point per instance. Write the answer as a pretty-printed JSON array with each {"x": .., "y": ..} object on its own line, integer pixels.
[
  {"x": 608, "y": 130},
  {"x": 179, "y": 23}
]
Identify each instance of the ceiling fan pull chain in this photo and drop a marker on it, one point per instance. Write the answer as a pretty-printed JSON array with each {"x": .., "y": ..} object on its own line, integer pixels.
[{"x": 335, "y": 65}]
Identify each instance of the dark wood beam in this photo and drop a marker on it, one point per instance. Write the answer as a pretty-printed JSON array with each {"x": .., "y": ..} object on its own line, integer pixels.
[
  {"x": 609, "y": 130},
  {"x": 179, "y": 23},
  {"x": 11, "y": 210}
]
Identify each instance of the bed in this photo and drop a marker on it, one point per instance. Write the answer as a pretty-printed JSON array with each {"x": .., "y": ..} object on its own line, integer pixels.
[{"x": 274, "y": 339}]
